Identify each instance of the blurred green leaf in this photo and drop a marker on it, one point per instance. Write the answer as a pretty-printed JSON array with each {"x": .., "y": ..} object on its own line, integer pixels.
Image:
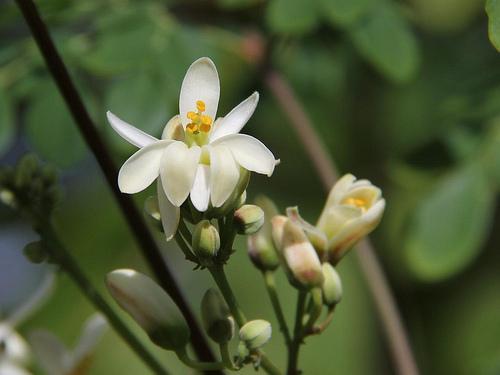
[
  {"x": 493, "y": 11},
  {"x": 345, "y": 12},
  {"x": 6, "y": 121},
  {"x": 142, "y": 101},
  {"x": 50, "y": 128},
  {"x": 385, "y": 39},
  {"x": 292, "y": 16},
  {"x": 237, "y": 4},
  {"x": 450, "y": 224}
]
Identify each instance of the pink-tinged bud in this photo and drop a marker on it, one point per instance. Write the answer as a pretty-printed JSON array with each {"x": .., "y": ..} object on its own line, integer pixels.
[
  {"x": 353, "y": 209},
  {"x": 299, "y": 257},
  {"x": 316, "y": 236},
  {"x": 278, "y": 224}
]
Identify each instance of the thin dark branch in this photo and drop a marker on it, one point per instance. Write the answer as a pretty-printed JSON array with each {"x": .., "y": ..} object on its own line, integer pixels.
[
  {"x": 148, "y": 245},
  {"x": 385, "y": 302}
]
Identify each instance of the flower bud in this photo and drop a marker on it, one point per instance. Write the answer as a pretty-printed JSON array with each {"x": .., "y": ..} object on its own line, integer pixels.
[
  {"x": 8, "y": 198},
  {"x": 217, "y": 319},
  {"x": 353, "y": 209},
  {"x": 299, "y": 257},
  {"x": 150, "y": 306},
  {"x": 237, "y": 196},
  {"x": 35, "y": 252},
  {"x": 278, "y": 224},
  {"x": 332, "y": 285},
  {"x": 255, "y": 333},
  {"x": 248, "y": 219},
  {"x": 206, "y": 242},
  {"x": 262, "y": 252},
  {"x": 316, "y": 236}
]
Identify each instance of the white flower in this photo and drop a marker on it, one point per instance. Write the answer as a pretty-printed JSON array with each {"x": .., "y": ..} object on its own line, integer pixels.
[
  {"x": 196, "y": 156},
  {"x": 353, "y": 209},
  {"x": 53, "y": 356},
  {"x": 15, "y": 354}
]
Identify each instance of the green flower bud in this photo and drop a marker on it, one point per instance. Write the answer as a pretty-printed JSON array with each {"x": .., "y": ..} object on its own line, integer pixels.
[
  {"x": 150, "y": 306},
  {"x": 299, "y": 257},
  {"x": 206, "y": 242},
  {"x": 217, "y": 319},
  {"x": 25, "y": 169},
  {"x": 332, "y": 285},
  {"x": 262, "y": 252},
  {"x": 255, "y": 333},
  {"x": 248, "y": 219},
  {"x": 35, "y": 252}
]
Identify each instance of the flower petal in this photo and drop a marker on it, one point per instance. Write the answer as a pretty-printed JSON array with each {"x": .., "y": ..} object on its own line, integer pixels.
[
  {"x": 142, "y": 168},
  {"x": 178, "y": 170},
  {"x": 200, "y": 83},
  {"x": 92, "y": 332},
  {"x": 130, "y": 133},
  {"x": 200, "y": 192},
  {"x": 173, "y": 129},
  {"x": 225, "y": 174},
  {"x": 50, "y": 352},
  {"x": 169, "y": 214},
  {"x": 249, "y": 152},
  {"x": 14, "y": 348},
  {"x": 11, "y": 368},
  {"x": 234, "y": 121}
]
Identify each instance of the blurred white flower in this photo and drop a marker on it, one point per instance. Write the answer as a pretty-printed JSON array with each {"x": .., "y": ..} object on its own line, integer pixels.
[
  {"x": 55, "y": 359},
  {"x": 196, "y": 156},
  {"x": 15, "y": 354}
]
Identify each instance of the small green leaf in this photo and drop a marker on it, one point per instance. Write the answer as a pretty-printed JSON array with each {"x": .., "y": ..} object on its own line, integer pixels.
[
  {"x": 292, "y": 16},
  {"x": 385, "y": 39},
  {"x": 493, "y": 11},
  {"x": 6, "y": 122},
  {"x": 345, "y": 12},
  {"x": 450, "y": 224},
  {"x": 50, "y": 128},
  {"x": 142, "y": 101}
]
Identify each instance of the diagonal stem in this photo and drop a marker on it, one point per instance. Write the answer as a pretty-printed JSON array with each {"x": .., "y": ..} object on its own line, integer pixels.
[
  {"x": 385, "y": 302},
  {"x": 92, "y": 137}
]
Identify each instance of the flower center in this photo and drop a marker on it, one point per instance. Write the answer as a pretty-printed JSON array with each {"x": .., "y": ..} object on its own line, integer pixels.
[
  {"x": 199, "y": 121},
  {"x": 358, "y": 202}
]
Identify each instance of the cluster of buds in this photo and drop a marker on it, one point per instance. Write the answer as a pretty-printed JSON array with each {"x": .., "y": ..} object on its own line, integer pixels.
[
  {"x": 30, "y": 187},
  {"x": 309, "y": 253}
]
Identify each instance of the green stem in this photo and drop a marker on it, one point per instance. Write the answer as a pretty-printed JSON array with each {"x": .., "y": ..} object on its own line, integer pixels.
[
  {"x": 316, "y": 308},
  {"x": 202, "y": 366},
  {"x": 185, "y": 232},
  {"x": 273, "y": 296},
  {"x": 70, "y": 266},
  {"x": 293, "y": 350},
  {"x": 218, "y": 274},
  {"x": 185, "y": 247},
  {"x": 226, "y": 357},
  {"x": 319, "y": 328}
]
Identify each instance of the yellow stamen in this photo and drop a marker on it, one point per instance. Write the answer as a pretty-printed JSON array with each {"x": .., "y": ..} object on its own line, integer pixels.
[
  {"x": 361, "y": 203},
  {"x": 207, "y": 120},
  {"x": 193, "y": 116},
  {"x": 200, "y": 105},
  {"x": 192, "y": 128},
  {"x": 205, "y": 127}
]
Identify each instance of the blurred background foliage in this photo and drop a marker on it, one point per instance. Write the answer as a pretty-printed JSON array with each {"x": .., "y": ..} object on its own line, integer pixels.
[{"x": 406, "y": 93}]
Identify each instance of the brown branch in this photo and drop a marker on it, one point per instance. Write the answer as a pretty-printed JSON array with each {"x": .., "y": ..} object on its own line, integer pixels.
[
  {"x": 92, "y": 137},
  {"x": 377, "y": 282}
]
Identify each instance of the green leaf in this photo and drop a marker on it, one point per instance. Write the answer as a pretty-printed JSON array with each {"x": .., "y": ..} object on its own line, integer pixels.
[
  {"x": 237, "y": 4},
  {"x": 385, "y": 39},
  {"x": 493, "y": 11},
  {"x": 51, "y": 130},
  {"x": 292, "y": 16},
  {"x": 450, "y": 224},
  {"x": 345, "y": 12},
  {"x": 142, "y": 101},
  {"x": 6, "y": 122}
]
